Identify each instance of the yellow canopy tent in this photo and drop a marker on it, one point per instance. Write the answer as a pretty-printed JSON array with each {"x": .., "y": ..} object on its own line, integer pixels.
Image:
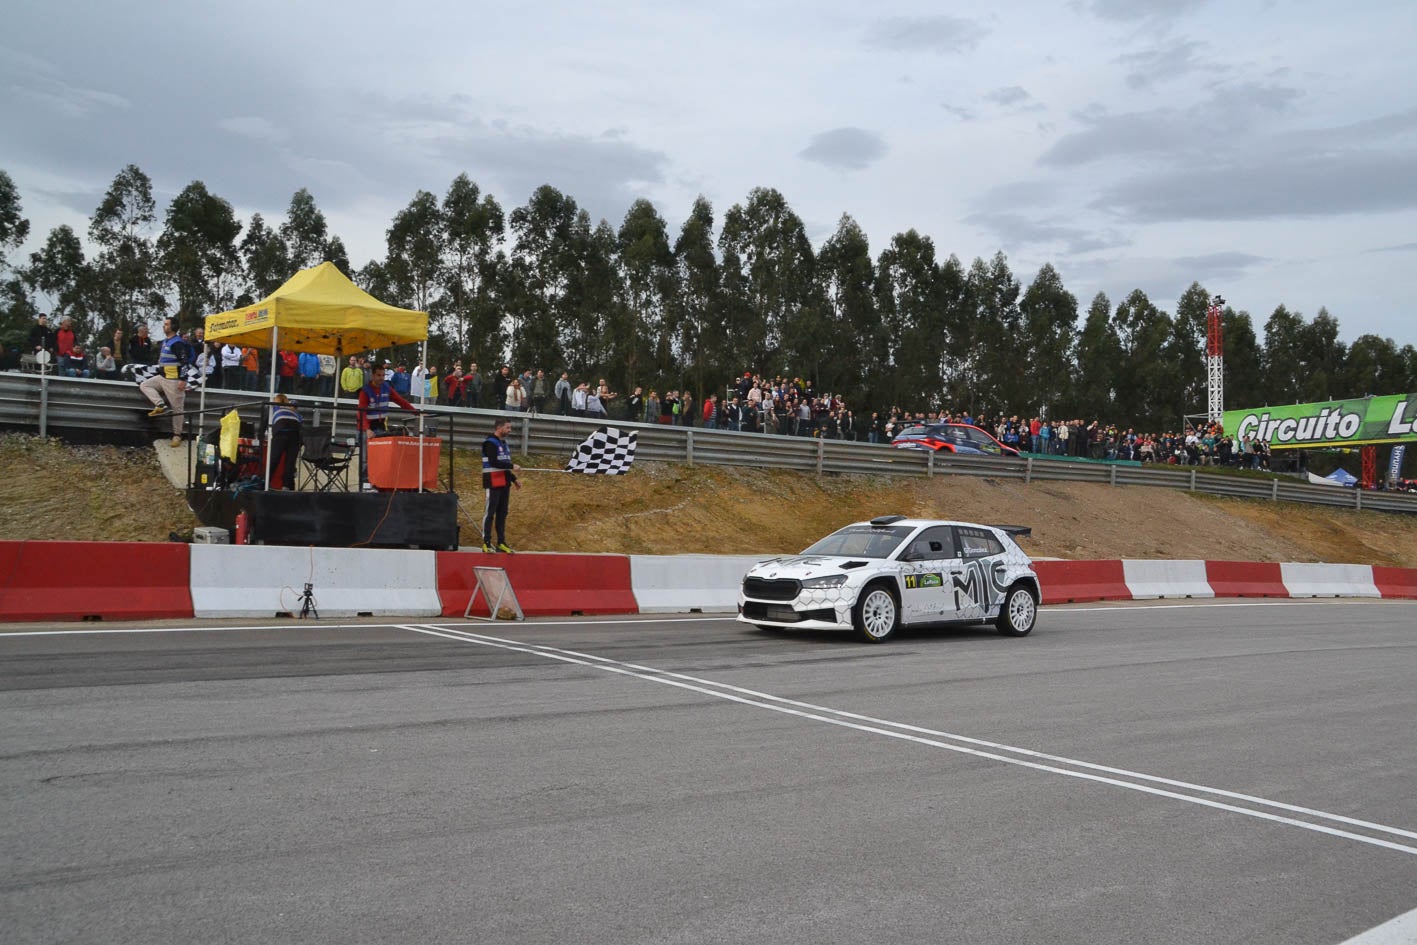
[{"x": 321, "y": 311}]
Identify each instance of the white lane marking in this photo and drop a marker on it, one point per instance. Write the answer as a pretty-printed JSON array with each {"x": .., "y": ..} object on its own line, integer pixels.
[
  {"x": 909, "y": 733},
  {"x": 628, "y": 620},
  {"x": 1399, "y": 931},
  {"x": 1122, "y": 606}
]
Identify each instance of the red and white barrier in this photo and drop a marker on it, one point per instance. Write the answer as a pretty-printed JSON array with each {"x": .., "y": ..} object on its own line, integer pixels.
[
  {"x": 144, "y": 580},
  {"x": 1329, "y": 580}
]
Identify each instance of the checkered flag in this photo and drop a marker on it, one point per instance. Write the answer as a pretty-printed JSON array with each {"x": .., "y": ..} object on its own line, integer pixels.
[
  {"x": 141, "y": 372},
  {"x": 607, "y": 451}
]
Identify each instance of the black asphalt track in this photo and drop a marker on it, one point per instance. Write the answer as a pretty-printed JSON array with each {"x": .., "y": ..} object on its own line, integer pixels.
[{"x": 1231, "y": 772}]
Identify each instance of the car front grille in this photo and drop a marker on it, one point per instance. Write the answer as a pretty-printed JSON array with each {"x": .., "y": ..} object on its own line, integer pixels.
[
  {"x": 779, "y": 614},
  {"x": 764, "y": 589}
]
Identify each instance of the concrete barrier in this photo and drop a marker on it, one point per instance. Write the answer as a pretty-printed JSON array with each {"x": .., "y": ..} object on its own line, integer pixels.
[
  {"x": 93, "y": 580},
  {"x": 1396, "y": 582},
  {"x": 263, "y": 580},
  {"x": 1245, "y": 579},
  {"x": 546, "y": 585},
  {"x": 1148, "y": 579},
  {"x": 685, "y": 583},
  {"x": 1329, "y": 580},
  {"x": 1077, "y": 581}
]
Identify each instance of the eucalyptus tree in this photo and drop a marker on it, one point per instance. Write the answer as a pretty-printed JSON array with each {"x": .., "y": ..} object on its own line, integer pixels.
[
  {"x": 59, "y": 272},
  {"x": 414, "y": 265},
  {"x": 1182, "y": 368},
  {"x": 474, "y": 230},
  {"x": 305, "y": 232},
  {"x": 1050, "y": 317},
  {"x": 1099, "y": 352},
  {"x": 551, "y": 233},
  {"x": 992, "y": 342},
  {"x": 1282, "y": 357},
  {"x": 854, "y": 346},
  {"x": 642, "y": 335},
  {"x": 14, "y": 228},
  {"x": 266, "y": 257},
  {"x": 1376, "y": 366},
  {"x": 1143, "y": 377},
  {"x": 197, "y": 251},
  {"x": 907, "y": 298},
  {"x": 1323, "y": 356},
  {"x": 127, "y": 281},
  {"x": 1244, "y": 384},
  {"x": 767, "y": 245},
  {"x": 704, "y": 345}
]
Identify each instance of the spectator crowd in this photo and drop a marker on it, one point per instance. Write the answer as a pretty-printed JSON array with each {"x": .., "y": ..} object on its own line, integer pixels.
[{"x": 751, "y": 403}]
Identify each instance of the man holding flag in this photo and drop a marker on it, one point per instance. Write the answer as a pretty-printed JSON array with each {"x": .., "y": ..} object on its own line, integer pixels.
[{"x": 498, "y": 478}]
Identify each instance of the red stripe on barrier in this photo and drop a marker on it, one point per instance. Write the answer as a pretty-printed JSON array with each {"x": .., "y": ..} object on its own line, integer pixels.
[
  {"x": 1396, "y": 582},
  {"x": 546, "y": 585},
  {"x": 1075, "y": 581},
  {"x": 1245, "y": 579},
  {"x": 82, "y": 580}
]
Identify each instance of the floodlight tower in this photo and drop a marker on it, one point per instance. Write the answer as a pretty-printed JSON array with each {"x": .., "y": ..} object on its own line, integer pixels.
[{"x": 1215, "y": 361}]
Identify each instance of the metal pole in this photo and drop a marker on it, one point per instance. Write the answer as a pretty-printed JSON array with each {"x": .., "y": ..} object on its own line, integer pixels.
[
  {"x": 43, "y": 397},
  {"x": 423, "y": 358},
  {"x": 275, "y": 355}
]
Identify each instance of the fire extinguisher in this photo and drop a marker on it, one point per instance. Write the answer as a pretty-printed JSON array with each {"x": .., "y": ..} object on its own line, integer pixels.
[{"x": 243, "y": 527}]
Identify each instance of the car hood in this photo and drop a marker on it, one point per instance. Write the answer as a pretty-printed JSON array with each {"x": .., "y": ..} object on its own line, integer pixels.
[{"x": 795, "y": 567}]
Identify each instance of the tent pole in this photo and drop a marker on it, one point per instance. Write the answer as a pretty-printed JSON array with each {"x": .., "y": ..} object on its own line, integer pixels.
[
  {"x": 266, "y": 408},
  {"x": 339, "y": 371},
  {"x": 422, "y": 357}
]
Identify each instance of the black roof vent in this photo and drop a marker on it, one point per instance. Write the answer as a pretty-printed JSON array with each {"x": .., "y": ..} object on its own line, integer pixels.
[{"x": 887, "y": 519}]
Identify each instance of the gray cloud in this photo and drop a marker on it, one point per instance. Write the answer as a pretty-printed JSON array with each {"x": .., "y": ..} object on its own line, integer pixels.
[
  {"x": 1134, "y": 10},
  {"x": 1014, "y": 98},
  {"x": 1401, "y": 248},
  {"x": 1231, "y": 111},
  {"x": 1164, "y": 63},
  {"x": 1219, "y": 265},
  {"x": 1269, "y": 186},
  {"x": 849, "y": 149},
  {"x": 1017, "y": 229},
  {"x": 959, "y": 111},
  {"x": 937, "y": 34}
]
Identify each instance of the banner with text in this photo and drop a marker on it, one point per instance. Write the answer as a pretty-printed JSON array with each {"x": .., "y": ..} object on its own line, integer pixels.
[
  {"x": 1394, "y": 469},
  {"x": 1388, "y": 419}
]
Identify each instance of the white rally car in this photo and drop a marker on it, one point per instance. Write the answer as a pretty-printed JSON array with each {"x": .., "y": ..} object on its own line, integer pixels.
[{"x": 875, "y": 576}]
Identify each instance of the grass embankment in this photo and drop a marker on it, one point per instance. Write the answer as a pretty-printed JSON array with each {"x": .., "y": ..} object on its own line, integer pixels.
[{"x": 53, "y": 491}]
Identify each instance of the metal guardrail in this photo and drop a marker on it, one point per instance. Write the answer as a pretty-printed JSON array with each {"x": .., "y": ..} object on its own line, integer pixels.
[{"x": 116, "y": 407}]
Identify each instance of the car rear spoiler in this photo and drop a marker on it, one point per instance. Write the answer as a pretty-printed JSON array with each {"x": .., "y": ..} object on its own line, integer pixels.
[{"x": 1016, "y": 531}]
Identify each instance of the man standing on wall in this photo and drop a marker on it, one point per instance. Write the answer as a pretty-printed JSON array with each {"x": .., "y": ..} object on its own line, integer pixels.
[
  {"x": 498, "y": 478},
  {"x": 166, "y": 390}
]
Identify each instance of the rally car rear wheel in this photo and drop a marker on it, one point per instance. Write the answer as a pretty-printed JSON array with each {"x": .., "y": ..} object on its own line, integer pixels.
[
  {"x": 877, "y": 613},
  {"x": 1019, "y": 613}
]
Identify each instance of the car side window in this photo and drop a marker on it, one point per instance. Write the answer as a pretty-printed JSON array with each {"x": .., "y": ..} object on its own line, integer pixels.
[
  {"x": 936, "y": 542},
  {"x": 978, "y": 543}
]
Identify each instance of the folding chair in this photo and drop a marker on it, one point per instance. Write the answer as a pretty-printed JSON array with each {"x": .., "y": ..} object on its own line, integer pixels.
[{"x": 325, "y": 465}]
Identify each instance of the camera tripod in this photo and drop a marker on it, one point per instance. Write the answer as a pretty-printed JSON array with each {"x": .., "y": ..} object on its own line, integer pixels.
[{"x": 307, "y": 602}]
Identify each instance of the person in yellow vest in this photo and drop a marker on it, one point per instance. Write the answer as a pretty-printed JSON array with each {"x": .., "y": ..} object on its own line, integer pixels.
[
  {"x": 166, "y": 389},
  {"x": 351, "y": 379}
]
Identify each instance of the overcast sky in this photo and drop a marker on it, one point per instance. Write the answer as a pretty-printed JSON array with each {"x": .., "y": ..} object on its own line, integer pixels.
[{"x": 1267, "y": 149}]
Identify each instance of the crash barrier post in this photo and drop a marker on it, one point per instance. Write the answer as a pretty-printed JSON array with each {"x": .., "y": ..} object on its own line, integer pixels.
[
  {"x": 1148, "y": 579},
  {"x": 548, "y": 585},
  {"x": 1396, "y": 582},
  {"x": 496, "y": 589},
  {"x": 265, "y": 580},
  {"x": 1328, "y": 580},
  {"x": 82, "y": 580},
  {"x": 1245, "y": 579},
  {"x": 1076, "y": 581},
  {"x": 666, "y": 584}
]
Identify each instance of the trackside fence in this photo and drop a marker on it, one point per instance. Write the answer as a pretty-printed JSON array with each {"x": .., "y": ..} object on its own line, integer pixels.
[{"x": 93, "y": 407}]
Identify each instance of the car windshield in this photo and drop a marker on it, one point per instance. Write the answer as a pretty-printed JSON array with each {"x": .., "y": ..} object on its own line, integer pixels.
[{"x": 862, "y": 541}]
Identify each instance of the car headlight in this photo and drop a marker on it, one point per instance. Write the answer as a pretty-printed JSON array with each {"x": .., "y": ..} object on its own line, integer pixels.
[{"x": 831, "y": 580}]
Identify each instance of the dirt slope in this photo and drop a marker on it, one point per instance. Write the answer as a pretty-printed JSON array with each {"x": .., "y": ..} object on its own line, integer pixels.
[{"x": 48, "y": 490}]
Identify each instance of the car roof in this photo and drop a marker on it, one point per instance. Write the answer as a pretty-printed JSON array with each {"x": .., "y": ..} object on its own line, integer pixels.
[{"x": 917, "y": 523}]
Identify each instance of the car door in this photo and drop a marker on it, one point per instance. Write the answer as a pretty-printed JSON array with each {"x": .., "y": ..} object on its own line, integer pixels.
[
  {"x": 976, "y": 577},
  {"x": 923, "y": 579}
]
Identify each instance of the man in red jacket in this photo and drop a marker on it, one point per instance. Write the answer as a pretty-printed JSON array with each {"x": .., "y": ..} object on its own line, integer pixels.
[{"x": 374, "y": 400}]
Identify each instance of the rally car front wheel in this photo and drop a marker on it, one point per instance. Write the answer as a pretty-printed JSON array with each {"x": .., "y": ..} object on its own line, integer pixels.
[
  {"x": 877, "y": 613},
  {"x": 1019, "y": 613}
]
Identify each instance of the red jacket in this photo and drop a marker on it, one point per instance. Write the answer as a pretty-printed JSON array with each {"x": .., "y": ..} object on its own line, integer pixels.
[{"x": 289, "y": 361}]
